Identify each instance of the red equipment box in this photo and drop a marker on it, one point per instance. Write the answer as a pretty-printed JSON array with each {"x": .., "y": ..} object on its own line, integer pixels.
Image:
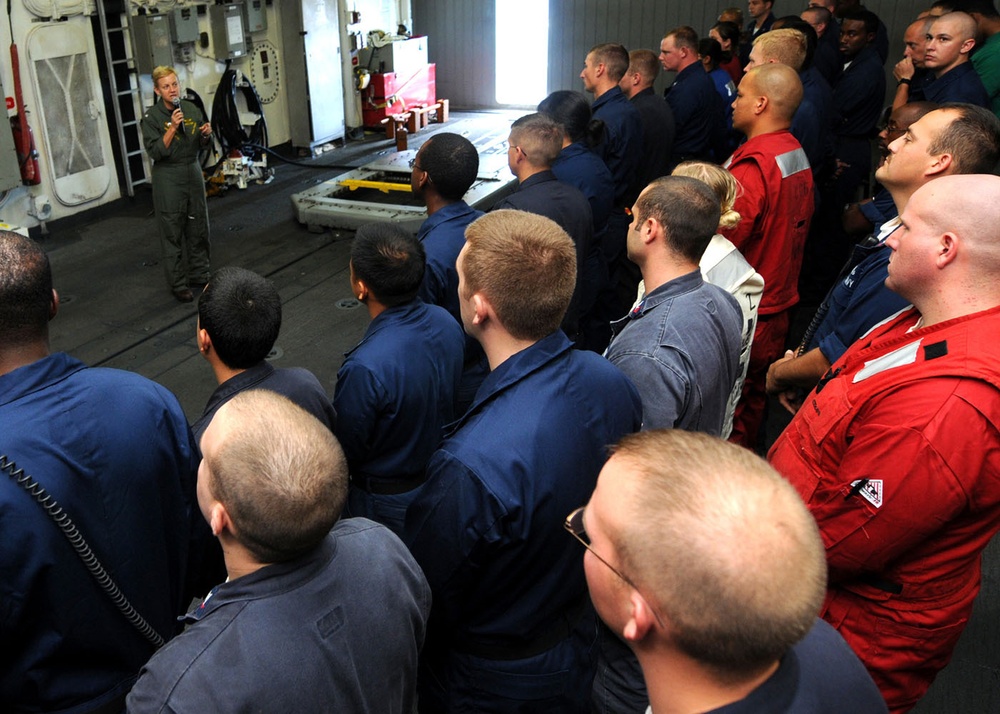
[{"x": 392, "y": 93}]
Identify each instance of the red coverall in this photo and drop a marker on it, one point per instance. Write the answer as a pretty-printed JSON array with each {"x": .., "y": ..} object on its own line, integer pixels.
[
  {"x": 776, "y": 205},
  {"x": 897, "y": 455}
]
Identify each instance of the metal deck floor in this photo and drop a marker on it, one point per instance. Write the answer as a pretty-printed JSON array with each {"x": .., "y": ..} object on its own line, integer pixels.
[{"x": 117, "y": 312}]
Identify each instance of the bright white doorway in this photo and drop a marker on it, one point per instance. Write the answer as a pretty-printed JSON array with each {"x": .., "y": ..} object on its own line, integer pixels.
[{"x": 522, "y": 51}]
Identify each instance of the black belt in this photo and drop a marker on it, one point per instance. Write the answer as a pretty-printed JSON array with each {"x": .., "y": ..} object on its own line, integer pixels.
[
  {"x": 559, "y": 630},
  {"x": 386, "y": 486}
]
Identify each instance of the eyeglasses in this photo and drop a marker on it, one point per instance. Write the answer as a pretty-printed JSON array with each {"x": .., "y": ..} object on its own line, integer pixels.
[
  {"x": 892, "y": 127},
  {"x": 574, "y": 524},
  {"x": 507, "y": 146}
]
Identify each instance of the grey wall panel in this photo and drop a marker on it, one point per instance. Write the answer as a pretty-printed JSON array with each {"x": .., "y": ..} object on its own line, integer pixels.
[
  {"x": 462, "y": 36},
  {"x": 462, "y": 44}
]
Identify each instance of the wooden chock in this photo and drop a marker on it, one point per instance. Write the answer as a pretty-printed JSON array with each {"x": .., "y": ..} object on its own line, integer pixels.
[{"x": 401, "y": 137}]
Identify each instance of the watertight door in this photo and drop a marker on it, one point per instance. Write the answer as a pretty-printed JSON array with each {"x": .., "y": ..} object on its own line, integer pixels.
[{"x": 64, "y": 73}]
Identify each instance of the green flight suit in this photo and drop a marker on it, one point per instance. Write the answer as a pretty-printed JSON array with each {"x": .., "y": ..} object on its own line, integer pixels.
[{"x": 179, "y": 194}]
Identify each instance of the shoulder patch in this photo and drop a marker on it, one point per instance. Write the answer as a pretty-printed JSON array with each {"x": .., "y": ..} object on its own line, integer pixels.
[{"x": 938, "y": 349}]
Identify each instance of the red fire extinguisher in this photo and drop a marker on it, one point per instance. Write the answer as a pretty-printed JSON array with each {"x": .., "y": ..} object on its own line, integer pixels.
[{"x": 24, "y": 140}]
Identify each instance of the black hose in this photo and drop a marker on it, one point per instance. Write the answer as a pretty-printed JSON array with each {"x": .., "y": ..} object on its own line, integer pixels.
[
  {"x": 82, "y": 549},
  {"x": 208, "y": 149},
  {"x": 226, "y": 124},
  {"x": 275, "y": 154}
]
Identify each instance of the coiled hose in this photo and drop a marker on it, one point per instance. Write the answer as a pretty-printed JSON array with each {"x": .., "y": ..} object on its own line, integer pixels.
[{"x": 83, "y": 550}]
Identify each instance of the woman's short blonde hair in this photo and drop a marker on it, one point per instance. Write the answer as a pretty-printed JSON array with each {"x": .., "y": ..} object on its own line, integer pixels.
[{"x": 161, "y": 72}]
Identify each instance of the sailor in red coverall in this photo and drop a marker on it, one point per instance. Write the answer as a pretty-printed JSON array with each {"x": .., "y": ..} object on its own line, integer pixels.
[
  {"x": 897, "y": 450},
  {"x": 776, "y": 204}
]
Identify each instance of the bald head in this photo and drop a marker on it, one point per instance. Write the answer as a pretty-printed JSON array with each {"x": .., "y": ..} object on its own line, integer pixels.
[
  {"x": 781, "y": 85},
  {"x": 967, "y": 205},
  {"x": 915, "y": 40},
  {"x": 946, "y": 254}
]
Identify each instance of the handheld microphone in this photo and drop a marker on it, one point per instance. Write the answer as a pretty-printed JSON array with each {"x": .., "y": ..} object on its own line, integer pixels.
[{"x": 177, "y": 105}]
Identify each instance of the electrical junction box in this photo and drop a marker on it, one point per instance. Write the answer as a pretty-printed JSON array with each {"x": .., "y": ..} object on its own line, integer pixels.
[
  {"x": 229, "y": 40},
  {"x": 256, "y": 16},
  {"x": 184, "y": 23},
  {"x": 153, "y": 44},
  {"x": 402, "y": 56}
]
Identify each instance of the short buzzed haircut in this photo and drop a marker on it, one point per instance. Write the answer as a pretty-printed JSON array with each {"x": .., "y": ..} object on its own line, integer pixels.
[
  {"x": 684, "y": 36},
  {"x": 972, "y": 139},
  {"x": 781, "y": 85},
  {"x": 787, "y": 46},
  {"x": 687, "y": 209},
  {"x": 539, "y": 136},
  {"x": 279, "y": 472},
  {"x": 241, "y": 312},
  {"x": 613, "y": 56},
  {"x": 452, "y": 163},
  {"x": 819, "y": 15},
  {"x": 725, "y": 545},
  {"x": 25, "y": 289},
  {"x": 525, "y": 264},
  {"x": 645, "y": 63},
  {"x": 964, "y": 24},
  {"x": 389, "y": 261},
  {"x": 793, "y": 22}
]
